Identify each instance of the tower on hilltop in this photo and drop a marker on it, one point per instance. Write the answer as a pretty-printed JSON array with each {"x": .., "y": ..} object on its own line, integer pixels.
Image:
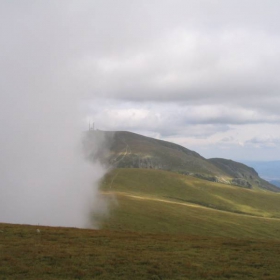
[{"x": 90, "y": 126}]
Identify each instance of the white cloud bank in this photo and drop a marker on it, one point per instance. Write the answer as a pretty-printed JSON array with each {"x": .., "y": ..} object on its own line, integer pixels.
[{"x": 201, "y": 73}]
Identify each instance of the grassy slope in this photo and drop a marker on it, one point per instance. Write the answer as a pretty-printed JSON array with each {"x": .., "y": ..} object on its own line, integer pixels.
[
  {"x": 68, "y": 253},
  {"x": 130, "y": 150},
  {"x": 141, "y": 150},
  {"x": 161, "y": 201}
]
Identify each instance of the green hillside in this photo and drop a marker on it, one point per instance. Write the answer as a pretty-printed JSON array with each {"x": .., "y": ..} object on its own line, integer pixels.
[
  {"x": 123, "y": 149},
  {"x": 161, "y": 201},
  {"x": 145, "y": 152},
  {"x": 157, "y": 186}
]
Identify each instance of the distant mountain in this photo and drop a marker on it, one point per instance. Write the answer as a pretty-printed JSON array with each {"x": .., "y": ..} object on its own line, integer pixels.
[
  {"x": 269, "y": 170},
  {"x": 242, "y": 174},
  {"x": 131, "y": 150},
  {"x": 275, "y": 183}
]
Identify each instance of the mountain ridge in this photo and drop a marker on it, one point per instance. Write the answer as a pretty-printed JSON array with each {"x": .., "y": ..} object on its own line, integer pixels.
[{"x": 131, "y": 150}]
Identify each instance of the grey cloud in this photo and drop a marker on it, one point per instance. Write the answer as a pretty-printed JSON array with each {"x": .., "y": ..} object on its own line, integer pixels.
[
  {"x": 181, "y": 54},
  {"x": 164, "y": 119},
  {"x": 171, "y": 118},
  {"x": 264, "y": 141},
  {"x": 188, "y": 59},
  {"x": 185, "y": 51}
]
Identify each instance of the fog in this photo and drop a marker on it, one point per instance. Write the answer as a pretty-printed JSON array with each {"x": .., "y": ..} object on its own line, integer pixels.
[
  {"x": 198, "y": 74},
  {"x": 45, "y": 178}
]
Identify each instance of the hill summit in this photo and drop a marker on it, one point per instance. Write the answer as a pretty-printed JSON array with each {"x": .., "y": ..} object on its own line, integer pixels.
[{"x": 131, "y": 150}]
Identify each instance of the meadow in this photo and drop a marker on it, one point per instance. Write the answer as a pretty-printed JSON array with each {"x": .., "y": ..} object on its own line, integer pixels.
[
  {"x": 70, "y": 253},
  {"x": 160, "y": 201}
]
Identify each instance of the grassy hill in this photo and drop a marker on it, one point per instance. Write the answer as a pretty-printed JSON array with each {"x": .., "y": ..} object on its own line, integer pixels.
[
  {"x": 162, "y": 201},
  {"x": 145, "y": 152},
  {"x": 130, "y": 150},
  {"x": 161, "y": 187}
]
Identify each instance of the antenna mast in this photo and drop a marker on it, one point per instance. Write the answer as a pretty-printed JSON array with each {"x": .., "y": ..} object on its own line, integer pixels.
[{"x": 90, "y": 127}]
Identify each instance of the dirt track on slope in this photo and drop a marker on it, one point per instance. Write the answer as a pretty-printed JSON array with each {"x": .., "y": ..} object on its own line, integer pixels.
[{"x": 187, "y": 204}]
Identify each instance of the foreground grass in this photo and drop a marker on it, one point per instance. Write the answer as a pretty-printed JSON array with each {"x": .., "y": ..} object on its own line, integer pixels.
[{"x": 68, "y": 253}]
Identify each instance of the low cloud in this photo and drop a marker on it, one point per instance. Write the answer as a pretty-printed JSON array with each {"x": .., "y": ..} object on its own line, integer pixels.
[
  {"x": 266, "y": 141},
  {"x": 171, "y": 119},
  {"x": 193, "y": 72}
]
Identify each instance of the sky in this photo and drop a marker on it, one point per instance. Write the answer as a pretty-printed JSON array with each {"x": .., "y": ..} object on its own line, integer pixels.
[{"x": 200, "y": 73}]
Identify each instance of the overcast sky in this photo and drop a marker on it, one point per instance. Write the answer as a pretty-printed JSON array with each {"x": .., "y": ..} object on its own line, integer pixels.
[{"x": 201, "y": 73}]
